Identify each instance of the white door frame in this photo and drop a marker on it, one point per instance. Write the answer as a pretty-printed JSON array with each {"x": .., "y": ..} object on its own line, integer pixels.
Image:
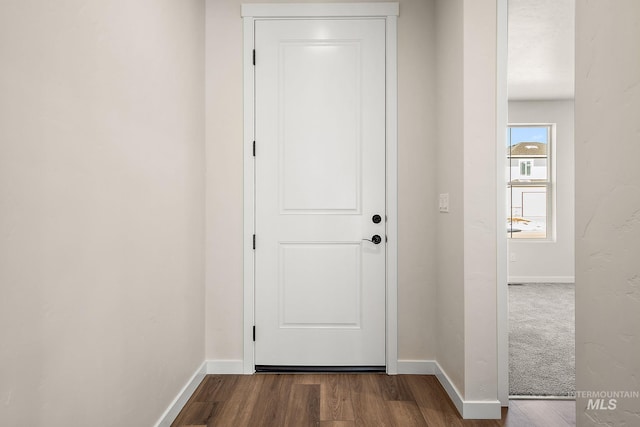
[
  {"x": 388, "y": 11},
  {"x": 502, "y": 115}
]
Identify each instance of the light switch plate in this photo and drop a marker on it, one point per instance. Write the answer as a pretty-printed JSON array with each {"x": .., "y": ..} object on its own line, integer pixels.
[{"x": 444, "y": 202}]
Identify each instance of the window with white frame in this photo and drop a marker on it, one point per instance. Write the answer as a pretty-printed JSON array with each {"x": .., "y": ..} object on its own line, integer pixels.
[
  {"x": 525, "y": 167},
  {"x": 529, "y": 182}
]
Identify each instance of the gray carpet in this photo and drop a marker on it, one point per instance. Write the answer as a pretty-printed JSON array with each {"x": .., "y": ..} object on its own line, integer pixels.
[{"x": 542, "y": 339}]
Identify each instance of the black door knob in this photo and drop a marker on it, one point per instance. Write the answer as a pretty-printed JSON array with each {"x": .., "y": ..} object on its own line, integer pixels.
[
  {"x": 376, "y": 219},
  {"x": 376, "y": 239}
]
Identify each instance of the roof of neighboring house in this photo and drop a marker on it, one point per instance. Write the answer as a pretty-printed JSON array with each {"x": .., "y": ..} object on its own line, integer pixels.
[{"x": 527, "y": 149}]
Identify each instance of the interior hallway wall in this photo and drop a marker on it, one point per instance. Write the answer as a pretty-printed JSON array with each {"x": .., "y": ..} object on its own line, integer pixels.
[
  {"x": 101, "y": 209},
  {"x": 549, "y": 261},
  {"x": 450, "y": 146},
  {"x": 466, "y": 171},
  {"x": 416, "y": 246},
  {"x": 607, "y": 107}
]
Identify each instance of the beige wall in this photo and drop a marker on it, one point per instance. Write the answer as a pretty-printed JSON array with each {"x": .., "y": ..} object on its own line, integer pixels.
[
  {"x": 466, "y": 267},
  {"x": 224, "y": 200},
  {"x": 480, "y": 203},
  {"x": 101, "y": 209},
  {"x": 607, "y": 105},
  {"x": 416, "y": 193},
  {"x": 416, "y": 180},
  {"x": 450, "y": 235}
]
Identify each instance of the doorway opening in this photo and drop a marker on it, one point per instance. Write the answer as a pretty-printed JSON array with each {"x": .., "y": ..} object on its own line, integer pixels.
[{"x": 539, "y": 179}]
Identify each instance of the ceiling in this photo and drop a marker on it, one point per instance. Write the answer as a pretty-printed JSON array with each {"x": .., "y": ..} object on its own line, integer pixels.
[{"x": 541, "y": 49}]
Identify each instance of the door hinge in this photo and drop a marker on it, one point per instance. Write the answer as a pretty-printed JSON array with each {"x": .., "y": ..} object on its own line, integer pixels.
[
  {"x": 254, "y": 241},
  {"x": 254, "y": 333},
  {"x": 254, "y": 148},
  {"x": 254, "y": 57}
]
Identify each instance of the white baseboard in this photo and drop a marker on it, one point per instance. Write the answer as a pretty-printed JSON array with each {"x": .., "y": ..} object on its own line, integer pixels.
[
  {"x": 417, "y": 367},
  {"x": 469, "y": 409},
  {"x": 225, "y": 366},
  {"x": 183, "y": 396},
  {"x": 207, "y": 367},
  {"x": 482, "y": 410},
  {"x": 479, "y": 410},
  {"x": 451, "y": 389},
  {"x": 541, "y": 279}
]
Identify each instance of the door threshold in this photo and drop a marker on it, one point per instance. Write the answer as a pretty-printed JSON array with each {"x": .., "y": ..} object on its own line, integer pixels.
[
  {"x": 319, "y": 369},
  {"x": 525, "y": 397}
]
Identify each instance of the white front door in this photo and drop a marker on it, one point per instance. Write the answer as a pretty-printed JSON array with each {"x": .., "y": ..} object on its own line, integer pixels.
[{"x": 320, "y": 180}]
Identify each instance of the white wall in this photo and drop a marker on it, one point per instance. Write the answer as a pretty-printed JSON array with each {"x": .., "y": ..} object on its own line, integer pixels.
[
  {"x": 607, "y": 106},
  {"x": 466, "y": 256},
  {"x": 416, "y": 290},
  {"x": 549, "y": 261},
  {"x": 101, "y": 209}
]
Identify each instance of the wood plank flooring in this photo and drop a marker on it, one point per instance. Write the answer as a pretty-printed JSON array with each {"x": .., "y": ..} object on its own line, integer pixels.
[{"x": 347, "y": 400}]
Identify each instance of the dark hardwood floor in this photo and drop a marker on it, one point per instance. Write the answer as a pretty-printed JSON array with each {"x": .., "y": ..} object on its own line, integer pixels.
[{"x": 347, "y": 400}]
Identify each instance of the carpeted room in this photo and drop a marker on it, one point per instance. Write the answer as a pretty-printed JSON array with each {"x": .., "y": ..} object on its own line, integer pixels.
[{"x": 542, "y": 339}]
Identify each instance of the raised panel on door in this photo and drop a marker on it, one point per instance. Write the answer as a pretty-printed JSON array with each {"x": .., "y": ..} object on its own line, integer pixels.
[
  {"x": 319, "y": 126},
  {"x": 314, "y": 296},
  {"x": 320, "y": 168}
]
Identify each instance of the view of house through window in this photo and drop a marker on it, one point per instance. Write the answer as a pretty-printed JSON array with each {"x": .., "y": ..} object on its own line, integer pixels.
[{"x": 529, "y": 181}]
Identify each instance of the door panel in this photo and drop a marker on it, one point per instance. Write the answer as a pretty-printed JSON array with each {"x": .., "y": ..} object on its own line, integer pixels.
[
  {"x": 314, "y": 296},
  {"x": 320, "y": 177},
  {"x": 320, "y": 91}
]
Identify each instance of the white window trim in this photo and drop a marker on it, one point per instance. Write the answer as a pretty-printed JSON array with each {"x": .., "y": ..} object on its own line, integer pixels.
[{"x": 550, "y": 184}]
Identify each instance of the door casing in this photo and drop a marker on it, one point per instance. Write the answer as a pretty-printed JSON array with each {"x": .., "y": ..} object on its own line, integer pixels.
[{"x": 251, "y": 13}]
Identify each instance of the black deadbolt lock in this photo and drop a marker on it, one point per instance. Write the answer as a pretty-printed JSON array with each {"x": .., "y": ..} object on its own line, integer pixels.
[
  {"x": 376, "y": 239},
  {"x": 376, "y": 219}
]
